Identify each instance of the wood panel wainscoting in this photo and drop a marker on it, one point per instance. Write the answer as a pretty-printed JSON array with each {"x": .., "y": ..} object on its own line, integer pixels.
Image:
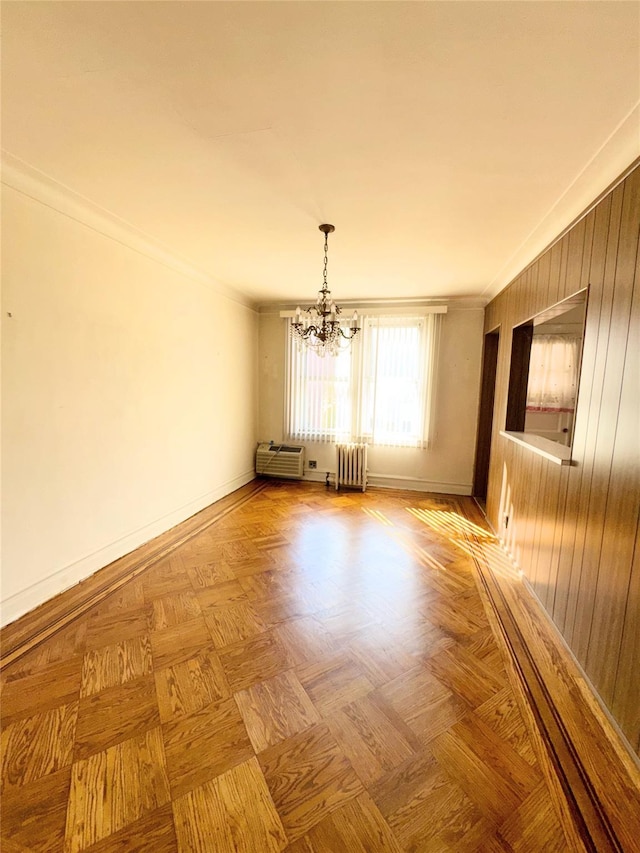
[
  {"x": 573, "y": 528},
  {"x": 296, "y": 669}
]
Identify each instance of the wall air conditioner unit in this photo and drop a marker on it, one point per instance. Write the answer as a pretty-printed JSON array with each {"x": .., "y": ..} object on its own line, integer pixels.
[{"x": 280, "y": 460}]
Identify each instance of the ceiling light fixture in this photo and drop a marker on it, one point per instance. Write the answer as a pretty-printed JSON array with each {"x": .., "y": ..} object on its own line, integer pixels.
[{"x": 318, "y": 327}]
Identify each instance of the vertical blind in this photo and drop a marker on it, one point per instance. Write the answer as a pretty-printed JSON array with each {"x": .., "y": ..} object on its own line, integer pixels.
[
  {"x": 379, "y": 390},
  {"x": 319, "y": 393}
]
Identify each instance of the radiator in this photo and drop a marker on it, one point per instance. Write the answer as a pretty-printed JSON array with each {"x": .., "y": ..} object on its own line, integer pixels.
[
  {"x": 351, "y": 465},
  {"x": 280, "y": 460}
]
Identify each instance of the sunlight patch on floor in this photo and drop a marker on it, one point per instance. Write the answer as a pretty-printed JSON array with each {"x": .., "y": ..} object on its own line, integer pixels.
[
  {"x": 478, "y": 543},
  {"x": 491, "y": 554},
  {"x": 378, "y": 516},
  {"x": 449, "y": 523}
]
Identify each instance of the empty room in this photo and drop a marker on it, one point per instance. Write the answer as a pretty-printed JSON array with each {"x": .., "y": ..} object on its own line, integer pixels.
[{"x": 320, "y": 421}]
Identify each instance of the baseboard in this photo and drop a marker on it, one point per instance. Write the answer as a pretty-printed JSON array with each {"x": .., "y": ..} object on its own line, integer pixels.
[
  {"x": 391, "y": 481},
  {"x": 584, "y": 684},
  {"x": 56, "y": 612},
  {"x": 416, "y": 484},
  {"x": 22, "y": 602},
  {"x": 318, "y": 477},
  {"x": 587, "y": 764}
]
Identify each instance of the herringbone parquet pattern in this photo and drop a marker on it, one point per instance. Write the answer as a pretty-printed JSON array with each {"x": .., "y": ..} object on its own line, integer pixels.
[{"x": 314, "y": 672}]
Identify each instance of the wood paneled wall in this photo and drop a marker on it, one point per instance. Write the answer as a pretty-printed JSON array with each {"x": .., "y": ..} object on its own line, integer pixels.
[{"x": 574, "y": 530}]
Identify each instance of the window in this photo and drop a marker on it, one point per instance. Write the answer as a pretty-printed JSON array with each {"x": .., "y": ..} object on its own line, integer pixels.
[
  {"x": 545, "y": 369},
  {"x": 380, "y": 390}
]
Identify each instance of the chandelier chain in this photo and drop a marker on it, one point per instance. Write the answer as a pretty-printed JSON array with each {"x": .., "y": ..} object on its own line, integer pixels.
[{"x": 326, "y": 260}]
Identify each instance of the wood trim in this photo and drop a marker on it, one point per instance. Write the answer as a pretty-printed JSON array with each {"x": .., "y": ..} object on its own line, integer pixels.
[
  {"x": 19, "y": 637},
  {"x": 485, "y": 413},
  {"x": 559, "y": 454},
  {"x": 582, "y": 754},
  {"x": 521, "y": 339}
]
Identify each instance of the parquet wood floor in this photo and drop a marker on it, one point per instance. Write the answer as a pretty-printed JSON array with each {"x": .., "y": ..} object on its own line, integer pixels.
[{"x": 313, "y": 673}]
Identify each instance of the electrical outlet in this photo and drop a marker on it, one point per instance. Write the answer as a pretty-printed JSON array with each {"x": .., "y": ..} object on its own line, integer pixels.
[{"x": 313, "y": 463}]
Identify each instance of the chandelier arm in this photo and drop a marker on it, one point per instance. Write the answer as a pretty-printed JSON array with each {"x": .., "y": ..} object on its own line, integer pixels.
[{"x": 350, "y": 335}]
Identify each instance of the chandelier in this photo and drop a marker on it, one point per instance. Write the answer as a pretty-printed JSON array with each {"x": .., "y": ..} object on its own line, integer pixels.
[{"x": 318, "y": 327}]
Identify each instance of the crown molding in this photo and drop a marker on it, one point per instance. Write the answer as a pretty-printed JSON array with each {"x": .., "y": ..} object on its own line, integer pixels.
[
  {"x": 610, "y": 164},
  {"x": 40, "y": 187}
]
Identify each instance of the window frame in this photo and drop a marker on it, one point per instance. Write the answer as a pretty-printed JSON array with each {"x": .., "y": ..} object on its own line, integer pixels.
[
  {"x": 429, "y": 322},
  {"x": 521, "y": 344}
]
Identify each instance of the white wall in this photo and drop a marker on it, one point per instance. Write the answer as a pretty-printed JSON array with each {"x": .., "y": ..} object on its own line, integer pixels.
[
  {"x": 448, "y": 465},
  {"x": 129, "y": 399}
]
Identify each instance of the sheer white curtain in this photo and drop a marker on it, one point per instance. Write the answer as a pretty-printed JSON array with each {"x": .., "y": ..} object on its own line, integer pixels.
[
  {"x": 380, "y": 390},
  {"x": 553, "y": 373}
]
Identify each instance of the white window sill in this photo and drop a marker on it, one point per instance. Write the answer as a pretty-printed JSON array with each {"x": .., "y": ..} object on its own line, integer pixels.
[{"x": 551, "y": 450}]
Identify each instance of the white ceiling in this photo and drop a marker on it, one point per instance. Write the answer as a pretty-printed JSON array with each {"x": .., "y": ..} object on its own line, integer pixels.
[{"x": 448, "y": 142}]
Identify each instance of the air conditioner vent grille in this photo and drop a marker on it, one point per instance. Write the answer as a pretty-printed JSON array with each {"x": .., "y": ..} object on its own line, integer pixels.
[{"x": 280, "y": 460}]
